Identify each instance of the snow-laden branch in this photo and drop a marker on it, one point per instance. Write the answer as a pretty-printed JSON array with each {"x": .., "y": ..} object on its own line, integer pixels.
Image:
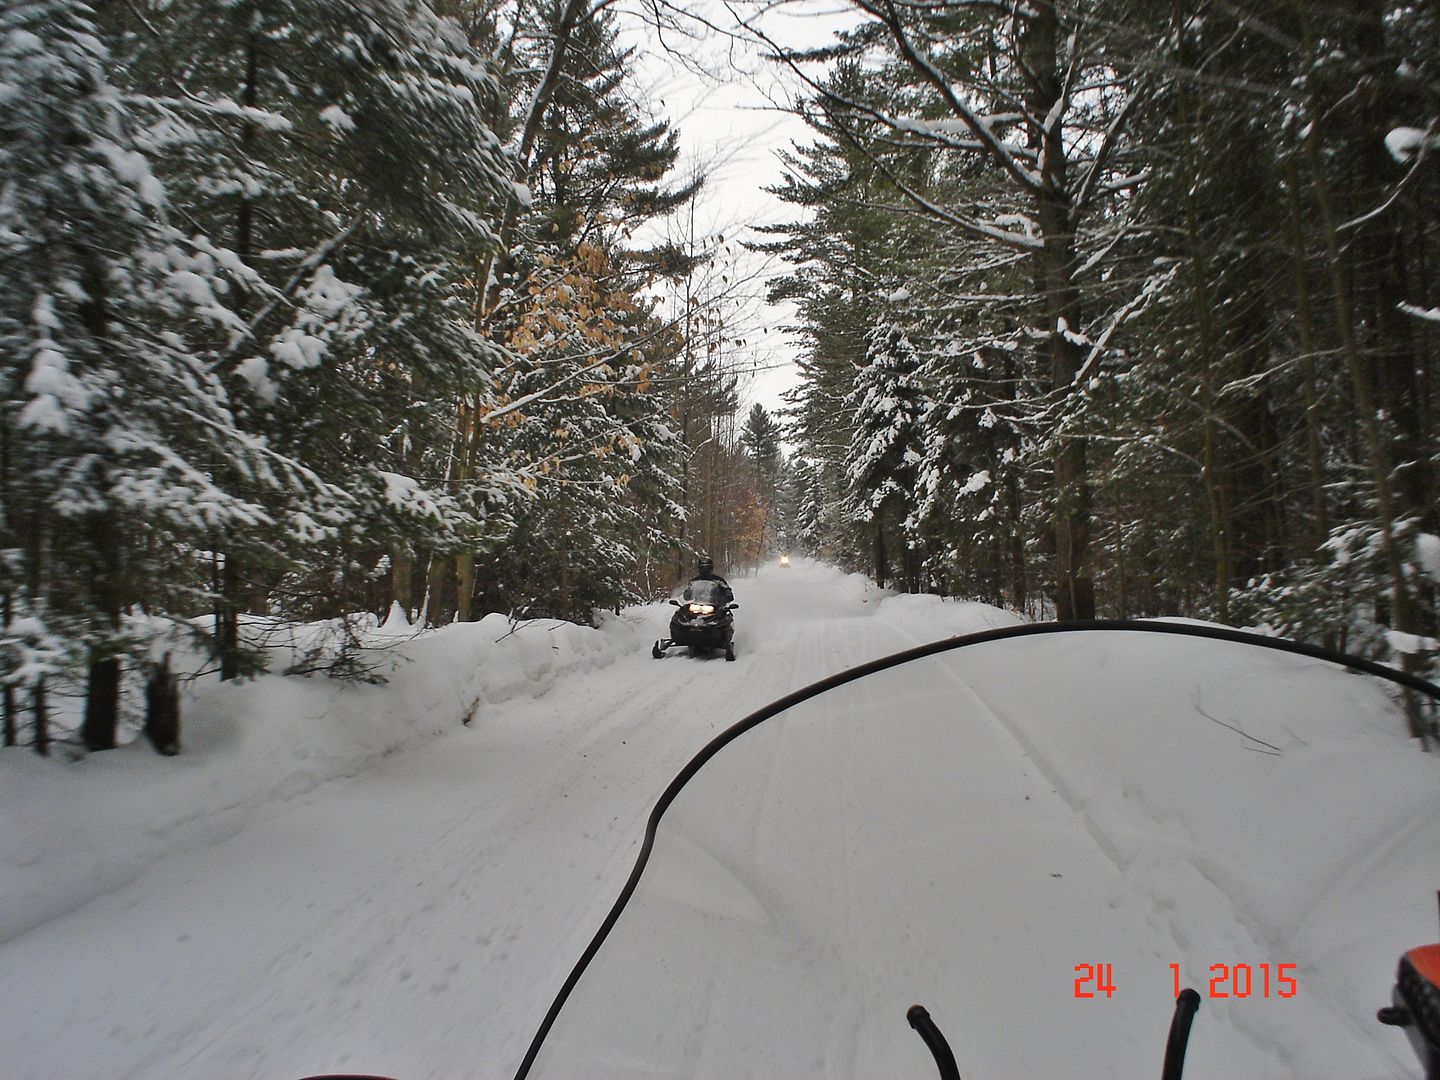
[
  {"x": 1020, "y": 241},
  {"x": 1152, "y": 288},
  {"x": 1011, "y": 157},
  {"x": 1428, "y": 314},
  {"x": 1416, "y": 143},
  {"x": 995, "y": 147},
  {"x": 1126, "y": 228},
  {"x": 608, "y": 357},
  {"x": 308, "y": 266},
  {"x": 1090, "y": 183}
]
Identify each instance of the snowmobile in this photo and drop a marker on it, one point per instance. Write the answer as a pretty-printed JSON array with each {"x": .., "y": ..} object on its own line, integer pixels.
[
  {"x": 702, "y": 622},
  {"x": 1415, "y": 1005},
  {"x": 828, "y": 861}
]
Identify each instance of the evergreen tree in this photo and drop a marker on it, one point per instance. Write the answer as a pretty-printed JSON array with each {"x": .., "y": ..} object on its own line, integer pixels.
[
  {"x": 117, "y": 432},
  {"x": 583, "y": 385},
  {"x": 1238, "y": 206},
  {"x": 760, "y": 438},
  {"x": 341, "y": 151},
  {"x": 885, "y": 404}
]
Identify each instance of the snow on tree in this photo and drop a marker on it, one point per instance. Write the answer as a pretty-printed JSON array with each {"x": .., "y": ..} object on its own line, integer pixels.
[
  {"x": 886, "y": 403},
  {"x": 580, "y": 397},
  {"x": 343, "y": 152},
  {"x": 1178, "y": 309},
  {"x": 761, "y": 439},
  {"x": 584, "y": 425},
  {"x": 114, "y": 422}
]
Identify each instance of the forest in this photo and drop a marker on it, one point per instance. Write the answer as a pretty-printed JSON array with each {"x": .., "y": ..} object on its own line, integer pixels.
[
  {"x": 1126, "y": 309},
  {"x": 310, "y": 309}
]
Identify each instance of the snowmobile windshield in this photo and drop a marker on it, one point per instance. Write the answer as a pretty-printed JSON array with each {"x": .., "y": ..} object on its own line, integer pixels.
[
  {"x": 1040, "y": 838},
  {"x": 706, "y": 591}
]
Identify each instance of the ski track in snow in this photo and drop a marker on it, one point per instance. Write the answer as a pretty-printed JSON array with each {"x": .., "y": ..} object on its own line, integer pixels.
[{"x": 416, "y": 919}]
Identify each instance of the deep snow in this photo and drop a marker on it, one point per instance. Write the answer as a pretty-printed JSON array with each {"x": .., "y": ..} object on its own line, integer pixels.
[{"x": 334, "y": 878}]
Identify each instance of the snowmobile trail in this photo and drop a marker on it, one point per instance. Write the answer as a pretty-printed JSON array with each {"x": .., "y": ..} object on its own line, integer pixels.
[{"x": 416, "y": 919}]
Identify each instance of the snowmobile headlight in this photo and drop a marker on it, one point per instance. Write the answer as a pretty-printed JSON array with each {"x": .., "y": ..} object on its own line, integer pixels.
[{"x": 702, "y": 609}]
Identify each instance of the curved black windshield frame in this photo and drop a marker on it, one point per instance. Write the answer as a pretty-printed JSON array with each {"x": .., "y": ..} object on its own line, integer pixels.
[{"x": 1197, "y": 630}]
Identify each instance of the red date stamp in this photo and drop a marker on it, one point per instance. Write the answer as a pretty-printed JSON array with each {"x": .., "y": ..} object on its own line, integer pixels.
[
  {"x": 1247, "y": 980},
  {"x": 1226, "y": 981},
  {"x": 1092, "y": 979}
]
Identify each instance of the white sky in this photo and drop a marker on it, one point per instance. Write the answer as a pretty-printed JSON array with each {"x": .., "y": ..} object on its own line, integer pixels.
[{"x": 731, "y": 127}]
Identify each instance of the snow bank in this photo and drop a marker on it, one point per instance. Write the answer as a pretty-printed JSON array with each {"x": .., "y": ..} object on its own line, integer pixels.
[
  {"x": 75, "y": 830},
  {"x": 928, "y": 618},
  {"x": 857, "y": 588}
]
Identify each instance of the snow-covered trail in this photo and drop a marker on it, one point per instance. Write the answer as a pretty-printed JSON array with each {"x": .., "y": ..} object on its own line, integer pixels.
[
  {"x": 416, "y": 919},
  {"x": 799, "y": 897}
]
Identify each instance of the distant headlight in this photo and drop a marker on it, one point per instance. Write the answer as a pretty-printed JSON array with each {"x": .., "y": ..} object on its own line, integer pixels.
[{"x": 702, "y": 609}]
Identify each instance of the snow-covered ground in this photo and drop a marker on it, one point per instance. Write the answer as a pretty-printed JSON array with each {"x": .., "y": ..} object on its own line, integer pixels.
[{"x": 354, "y": 878}]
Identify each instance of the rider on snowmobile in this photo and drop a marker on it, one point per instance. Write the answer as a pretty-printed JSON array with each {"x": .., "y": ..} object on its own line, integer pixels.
[{"x": 705, "y": 571}]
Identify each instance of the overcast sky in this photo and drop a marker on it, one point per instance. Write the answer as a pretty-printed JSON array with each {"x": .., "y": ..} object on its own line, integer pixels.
[{"x": 731, "y": 126}]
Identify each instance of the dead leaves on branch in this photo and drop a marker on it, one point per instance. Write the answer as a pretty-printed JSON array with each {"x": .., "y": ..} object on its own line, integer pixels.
[
  {"x": 576, "y": 310},
  {"x": 580, "y": 353}
]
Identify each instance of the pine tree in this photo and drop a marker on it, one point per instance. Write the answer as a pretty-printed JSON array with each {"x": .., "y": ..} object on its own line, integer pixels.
[
  {"x": 582, "y": 392},
  {"x": 341, "y": 151},
  {"x": 984, "y": 94},
  {"x": 885, "y": 403},
  {"x": 761, "y": 439},
  {"x": 114, "y": 424}
]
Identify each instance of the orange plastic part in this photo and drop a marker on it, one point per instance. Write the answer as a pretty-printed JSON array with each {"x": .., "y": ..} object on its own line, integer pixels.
[{"x": 1426, "y": 961}]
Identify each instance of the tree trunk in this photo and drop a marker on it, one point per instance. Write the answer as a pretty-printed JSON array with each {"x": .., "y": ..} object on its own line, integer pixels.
[
  {"x": 162, "y": 709},
  {"x": 468, "y": 450},
  {"x": 1018, "y": 572},
  {"x": 41, "y": 712},
  {"x": 227, "y": 615},
  {"x": 228, "y": 590},
  {"x": 102, "y": 704},
  {"x": 1074, "y": 588},
  {"x": 1403, "y": 615},
  {"x": 881, "y": 561},
  {"x": 402, "y": 571},
  {"x": 1305, "y": 321},
  {"x": 1123, "y": 588},
  {"x": 102, "y": 694},
  {"x": 1200, "y": 297},
  {"x": 464, "y": 585},
  {"x": 12, "y": 735},
  {"x": 436, "y": 612},
  {"x": 566, "y": 591}
]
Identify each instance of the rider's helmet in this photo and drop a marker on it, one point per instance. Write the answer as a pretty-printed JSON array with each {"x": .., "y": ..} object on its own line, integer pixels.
[{"x": 706, "y": 566}]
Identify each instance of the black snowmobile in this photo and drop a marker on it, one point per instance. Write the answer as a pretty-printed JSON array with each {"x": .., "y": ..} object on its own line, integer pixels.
[{"x": 703, "y": 620}]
